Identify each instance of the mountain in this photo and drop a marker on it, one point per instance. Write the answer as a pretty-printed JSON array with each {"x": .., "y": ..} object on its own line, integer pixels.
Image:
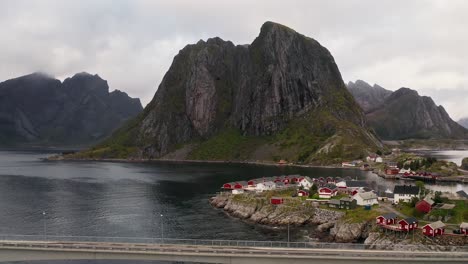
[
  {"x": 405, "y": 114},
  {"x": 38, "y": 109},
  {"x": 368, "y": 97},
  {"x": 281, "y": 97},
  {"x": 463, "y": 122}
]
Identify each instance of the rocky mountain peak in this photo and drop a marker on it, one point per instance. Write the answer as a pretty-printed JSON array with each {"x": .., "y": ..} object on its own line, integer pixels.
[
  {"x": 256, "y": 90},
  {"x": 85, "y": 83}
]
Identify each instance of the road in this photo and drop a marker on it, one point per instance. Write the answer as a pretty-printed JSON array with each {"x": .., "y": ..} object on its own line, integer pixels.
[{"x": 34, "y": 250}]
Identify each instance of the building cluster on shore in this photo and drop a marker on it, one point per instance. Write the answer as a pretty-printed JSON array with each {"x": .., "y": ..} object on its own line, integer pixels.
[
  {"x": 391, "y": 221},
  {"x": 348, "y": 194}
]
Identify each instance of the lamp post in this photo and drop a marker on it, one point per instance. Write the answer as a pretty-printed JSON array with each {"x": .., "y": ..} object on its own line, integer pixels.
[
  {"x": 45, "y": 225},
  {"x": 288, "y": 234},
  {"x": 162, "y": 229}
]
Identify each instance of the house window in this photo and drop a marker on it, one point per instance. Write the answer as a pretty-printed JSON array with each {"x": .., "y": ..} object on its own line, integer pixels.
[{"x": 430, "y": 231}]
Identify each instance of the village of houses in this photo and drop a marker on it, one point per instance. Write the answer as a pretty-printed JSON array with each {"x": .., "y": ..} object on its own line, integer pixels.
[{"x": 348, "y": 194}]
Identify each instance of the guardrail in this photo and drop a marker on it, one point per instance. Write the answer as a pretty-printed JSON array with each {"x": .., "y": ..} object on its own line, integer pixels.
[{"x": 206, "y": 242}]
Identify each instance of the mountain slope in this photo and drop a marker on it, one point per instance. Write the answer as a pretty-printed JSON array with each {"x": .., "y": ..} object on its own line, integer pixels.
[
  {"x": 463, "y": 122},
  {"x": 280, "y": 97},
  {"x": 39, "y": 109},
  {"x": 405, "y": 114},
  {"x": 367, "y": 96}
]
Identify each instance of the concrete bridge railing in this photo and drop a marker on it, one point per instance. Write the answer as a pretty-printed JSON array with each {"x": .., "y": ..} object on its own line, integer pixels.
[{"x": 208, "y": 242}]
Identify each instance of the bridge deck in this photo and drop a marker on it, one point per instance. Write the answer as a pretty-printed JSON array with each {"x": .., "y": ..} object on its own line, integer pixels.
[{"x": 38, "y": 250}]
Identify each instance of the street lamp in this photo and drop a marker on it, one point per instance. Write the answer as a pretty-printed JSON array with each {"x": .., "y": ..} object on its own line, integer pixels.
[
  {"x": 162, "y": 229},
  {"x": 288, "y": 234},
  {"x": 45, "y": 225}
]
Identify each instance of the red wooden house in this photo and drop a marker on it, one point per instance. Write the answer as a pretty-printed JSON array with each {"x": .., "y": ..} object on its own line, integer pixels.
[
  {"x": 408, "y": 224},
  {"x": 392, "y": 171},
  {"x": 387, "y": 219},
  {"x": 425, "y": 205},
  {"x": 434, "y": 229},
  {"x": 326, "y": 192},
  {"x": 229, "y": 185},
  {"x": 303, "y": 193},
  {"x": 241, "y": 185},
  {"x": 276, "y": 200}
]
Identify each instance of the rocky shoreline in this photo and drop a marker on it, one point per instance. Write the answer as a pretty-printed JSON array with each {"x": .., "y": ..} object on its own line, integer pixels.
[
  {"x": 256, "y": 210},
  {"x": 331, "y": 226}
]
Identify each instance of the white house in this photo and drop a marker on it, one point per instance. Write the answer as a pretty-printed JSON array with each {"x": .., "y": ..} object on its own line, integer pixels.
[
  {"x": 378, "y": 160},
  {"x": 237, "y": 191},
  {"x": 265, "y": 186},
  {"x": 306, "y": 182},
  {"x": 403, "y": 171},
  {"x": 341, "y": 184},
  {"x": 404, "y": 193},
  {"x": 365, "y": 198}
]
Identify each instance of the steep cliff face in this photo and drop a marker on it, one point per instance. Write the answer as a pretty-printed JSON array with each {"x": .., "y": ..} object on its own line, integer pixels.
[
  {"x": 282, "y": 95},
  {"x": 39, "y": 109},
  {"x": 367, "y": 96},
  {"x": 405, "y": 114}
]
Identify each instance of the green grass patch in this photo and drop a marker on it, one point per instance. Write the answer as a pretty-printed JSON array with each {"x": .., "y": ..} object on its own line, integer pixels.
[
  {"x": 227, "y": 145},
  {"x": 359, "y": 214}
]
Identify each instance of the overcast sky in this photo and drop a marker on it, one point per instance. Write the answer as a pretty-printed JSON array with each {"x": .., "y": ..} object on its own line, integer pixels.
[{"x": 417, "y": 44}]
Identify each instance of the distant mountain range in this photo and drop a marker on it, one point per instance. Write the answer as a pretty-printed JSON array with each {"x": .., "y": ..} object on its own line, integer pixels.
[
  {"x": 463, "y": 122},
  {"x": 281, "y": 97},
  {"x": 39, "y": 109},
  {"x": 404, "y": 114}
]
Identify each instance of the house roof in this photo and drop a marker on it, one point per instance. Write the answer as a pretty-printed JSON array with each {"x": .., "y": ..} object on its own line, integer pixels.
[
  {"x": 436, "y": 225},
  {"x": 390, "y": 216},
  {"x": 336, "y": 202},
  {"x": 241, "y": 182},
  {"x": 367, "y": 195},
  {"x": 329, "y": 186},
  {"x": 462, "y": 194},
  {"x": 406, "y": 189},
  {"x": 429, "y": 200},
  {"x": 346, "y": 199},
  {"x": 446, "y": 206},
  {"x": 411, "y": 220},
  {"x": 464, "y": 225},
  {"x": 356, "y": 184}
]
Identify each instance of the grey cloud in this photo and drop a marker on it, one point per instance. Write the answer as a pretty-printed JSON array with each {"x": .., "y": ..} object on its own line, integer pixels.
[{"x": 418, "y": 44}]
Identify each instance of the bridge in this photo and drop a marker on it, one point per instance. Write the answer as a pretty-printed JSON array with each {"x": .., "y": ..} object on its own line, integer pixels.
[{"x": 32, "y": 248}]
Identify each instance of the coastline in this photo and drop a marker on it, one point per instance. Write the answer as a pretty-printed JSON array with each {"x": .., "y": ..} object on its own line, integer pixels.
[{"x": 260, "y": 163}]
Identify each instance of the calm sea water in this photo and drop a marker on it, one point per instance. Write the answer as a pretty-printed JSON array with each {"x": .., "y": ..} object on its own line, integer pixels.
[{"x": 126, "y": 200}]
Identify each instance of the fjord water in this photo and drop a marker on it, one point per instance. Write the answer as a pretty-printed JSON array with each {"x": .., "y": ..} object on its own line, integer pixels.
[{"x": 127, "y": 199}]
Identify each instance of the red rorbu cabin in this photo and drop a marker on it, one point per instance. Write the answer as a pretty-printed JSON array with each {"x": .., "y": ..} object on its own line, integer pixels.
[
  {"x": 228, "y": 186},
  {"x": 425, "y": 205},
  {"x": 434, "y": 229},
  {"x": 240, "y": 185},
  {"x": 276, "y": 200},
  {"x": 408, "y": 224},
  {"x": 387, "y": 219},
  {"x": 302, "y": 193}
]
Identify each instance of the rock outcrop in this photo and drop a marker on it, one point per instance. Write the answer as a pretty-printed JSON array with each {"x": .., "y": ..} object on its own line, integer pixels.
[
  {"x": 280, "y": 97},
  {"x": 344, "y": 232},
  {"x": 258, "y": 210},
  {"x": 39, "y": 109},
  {"x": 464, "y": 164}
]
